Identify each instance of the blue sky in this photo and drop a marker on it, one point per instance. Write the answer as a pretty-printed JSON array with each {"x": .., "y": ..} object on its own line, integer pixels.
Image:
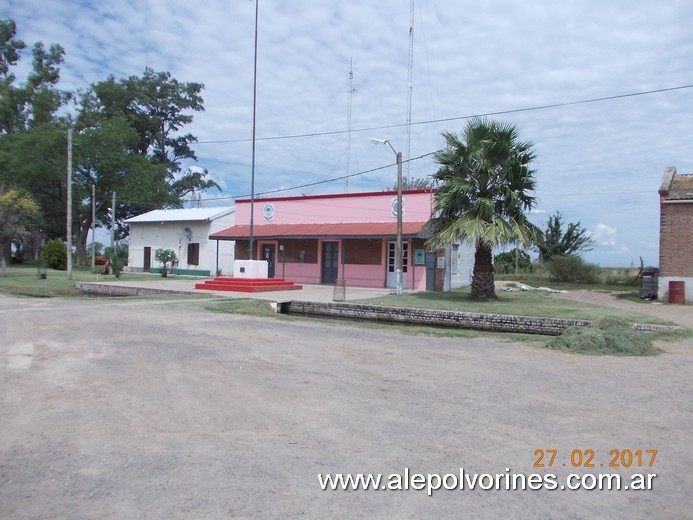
[{"x": 598, "y": 162}]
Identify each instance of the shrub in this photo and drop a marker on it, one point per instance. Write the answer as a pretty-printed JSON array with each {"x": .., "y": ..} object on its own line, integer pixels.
[
  {"x": 611, "y": 336},
  {"x": 117, "y": 258},
  {"x": 571, "y": 269},
  {"x": 164, "y": 257},
  {"x": 504, "y": 263},
  {"x": 54, "y": 254}
]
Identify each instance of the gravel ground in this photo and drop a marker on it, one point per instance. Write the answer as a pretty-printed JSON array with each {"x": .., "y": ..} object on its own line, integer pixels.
[{"x": 159, "y": 409}]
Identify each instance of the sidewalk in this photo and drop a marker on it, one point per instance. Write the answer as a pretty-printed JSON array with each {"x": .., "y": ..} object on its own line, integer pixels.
[{"x": 314, "y": 293}]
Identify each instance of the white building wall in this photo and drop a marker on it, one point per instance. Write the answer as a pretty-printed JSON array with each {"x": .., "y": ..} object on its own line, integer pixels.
[
  {"x": 172, "y": 235},
  {"x": 663, "y": 293},
  {"x": 459, "y": 264},
  {"x": 227, "y": 248}
]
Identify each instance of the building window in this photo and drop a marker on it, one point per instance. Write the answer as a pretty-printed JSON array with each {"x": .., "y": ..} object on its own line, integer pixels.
[
  {"x": 194, "y": 253},
  {"x": 455, "y": 260}
]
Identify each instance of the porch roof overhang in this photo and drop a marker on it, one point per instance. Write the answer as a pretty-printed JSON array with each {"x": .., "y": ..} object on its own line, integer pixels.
[{"x": 303, "y": 231}]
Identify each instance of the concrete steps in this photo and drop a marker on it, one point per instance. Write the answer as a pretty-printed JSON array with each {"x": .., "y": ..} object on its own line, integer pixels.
[{"x": 249, "y": 285}]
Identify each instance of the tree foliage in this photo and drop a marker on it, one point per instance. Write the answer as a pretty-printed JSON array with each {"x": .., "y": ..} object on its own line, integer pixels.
[
  {"x": 117, "y": 258},
  {"x": 555, "y": 241},
  {"x": 512, "y": 261},
  {"x": 129, "y": 138},
  {"x": 54, "y": 254},
  {"x": 416, "y": 183},
  {"x": 485, "y": 191},
  {"x": 571, "y": 269},
  {"x": 19, "y": 216},
  {"x": 165, "y": 257},
  {"x": 36, "y": 100}
]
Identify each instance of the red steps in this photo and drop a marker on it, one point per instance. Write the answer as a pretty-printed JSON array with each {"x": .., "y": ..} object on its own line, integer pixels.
[{"x": 249, "y": 285}]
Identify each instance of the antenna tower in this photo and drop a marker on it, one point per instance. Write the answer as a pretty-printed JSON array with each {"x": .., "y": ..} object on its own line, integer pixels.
[
  {"x": 350, "y": 93},
  {"x": 410, "y": 82}
]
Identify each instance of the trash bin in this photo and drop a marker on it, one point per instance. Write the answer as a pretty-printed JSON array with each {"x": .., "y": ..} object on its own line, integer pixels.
[
  {"x": 677, "y": 291},
  {"x": 649, "y": 283},
  {"x": 339, "y": 294}
]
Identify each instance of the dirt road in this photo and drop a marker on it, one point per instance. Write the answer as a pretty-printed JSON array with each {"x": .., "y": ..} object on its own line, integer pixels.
[{"x": 154, "y": 409}]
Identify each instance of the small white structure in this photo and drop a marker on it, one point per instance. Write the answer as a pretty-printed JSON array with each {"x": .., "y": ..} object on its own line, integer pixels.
[{"x": 186, "y": 232}]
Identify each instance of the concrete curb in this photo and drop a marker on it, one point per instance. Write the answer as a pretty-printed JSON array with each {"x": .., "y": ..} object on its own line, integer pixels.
[{"x": 454, "y": 319}]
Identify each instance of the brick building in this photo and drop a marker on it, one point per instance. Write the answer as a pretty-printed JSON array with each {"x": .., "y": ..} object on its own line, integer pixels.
[{"x": 676, "y": 233}]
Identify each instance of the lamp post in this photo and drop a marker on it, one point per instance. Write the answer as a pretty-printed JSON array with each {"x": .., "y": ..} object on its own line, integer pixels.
[{"x": 398, "y": 246}]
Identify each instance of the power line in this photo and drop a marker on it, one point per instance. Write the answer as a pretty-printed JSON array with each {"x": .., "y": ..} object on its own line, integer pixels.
[
  {"x": 324, "y": 181},
  {"x": 456, "y": 118}
]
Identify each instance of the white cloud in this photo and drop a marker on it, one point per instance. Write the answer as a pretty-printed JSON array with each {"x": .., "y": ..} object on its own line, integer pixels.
[
  {"x": 604, "y": 235},
  {"x": 601, "y": 162}
]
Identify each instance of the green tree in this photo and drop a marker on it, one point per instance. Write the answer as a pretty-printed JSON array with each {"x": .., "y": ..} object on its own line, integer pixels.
[
  {"x": 36, "y": 100},
  {"x": 19, "y": 215},
  {"x": 485, "y": 183},
  {"x": 35, "y": 161},
  {"x": 156, "y": 106},
  {"x": 102, "y": 159},
  {"x": 416, "y": 183},
  {"x": 118, "y": 256},
  {"x": 130, "y": 136},
  {"x": 512, "y": 262},
  {"x": 554, "y": 241},
  {"x": 27, "y": 107}
]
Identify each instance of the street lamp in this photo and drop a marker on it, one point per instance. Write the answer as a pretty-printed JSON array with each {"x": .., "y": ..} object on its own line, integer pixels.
[{"x": 398, "y": 246}]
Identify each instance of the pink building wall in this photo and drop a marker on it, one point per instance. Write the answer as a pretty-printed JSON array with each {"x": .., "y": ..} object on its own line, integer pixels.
[
  {"x": 356, "y": 274},
  {"x": 340, "y": 208},
  {"x": 330, "y": 209}
]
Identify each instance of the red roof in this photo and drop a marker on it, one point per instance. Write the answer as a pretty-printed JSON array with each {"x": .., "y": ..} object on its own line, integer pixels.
[{"x": 348, "y": 230}]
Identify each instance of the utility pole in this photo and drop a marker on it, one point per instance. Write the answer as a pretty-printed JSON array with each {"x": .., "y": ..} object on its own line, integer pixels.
[
  {"x": 398, "y": 251},
  {"x": 113, "y": 219},
  {"x": 69, "y": 204},
  {"x": 93, "y": 227}
]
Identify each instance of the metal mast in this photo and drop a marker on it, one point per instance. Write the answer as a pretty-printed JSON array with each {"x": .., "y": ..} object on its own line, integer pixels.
[
  {"x": 350, "y": 92},
  {"x": 410, "y": 82}
]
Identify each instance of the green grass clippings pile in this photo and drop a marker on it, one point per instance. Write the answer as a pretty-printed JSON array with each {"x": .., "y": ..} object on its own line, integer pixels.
[{"x": 608, "y": 337}]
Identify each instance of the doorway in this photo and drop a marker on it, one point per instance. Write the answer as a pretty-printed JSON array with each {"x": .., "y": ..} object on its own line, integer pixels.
[
  {"x": 430, "y": 271},
  {"x": 392, "y": 264},
  {"x": 330, "y": 262},
  {"x": 147, "y": 265},
  {"x": 268, "y": 254}
]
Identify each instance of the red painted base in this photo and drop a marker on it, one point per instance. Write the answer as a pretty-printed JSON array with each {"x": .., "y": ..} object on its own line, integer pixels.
[{"x": 249, "y": 285}]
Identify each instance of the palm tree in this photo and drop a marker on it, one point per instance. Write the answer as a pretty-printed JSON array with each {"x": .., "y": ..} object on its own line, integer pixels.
[{"x": 483, "y": 195}]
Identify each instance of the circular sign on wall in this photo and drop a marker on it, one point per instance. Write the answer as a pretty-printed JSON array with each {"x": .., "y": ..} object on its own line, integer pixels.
[{"x": 268, "y": 211}]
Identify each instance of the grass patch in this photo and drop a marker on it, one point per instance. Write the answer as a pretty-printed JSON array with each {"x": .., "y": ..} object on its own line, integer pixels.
[
  {"x": 26, "y": 282},
  {"x": 610, "y": 337},
  {"x": 516, "y": 303},
  {"x": 261, "y": 308},
  {"x": 245, "y": 306}
]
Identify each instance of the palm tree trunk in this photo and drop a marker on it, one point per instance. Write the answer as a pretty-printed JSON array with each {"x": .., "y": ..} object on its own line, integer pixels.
[{"x": 483, "y": 287}]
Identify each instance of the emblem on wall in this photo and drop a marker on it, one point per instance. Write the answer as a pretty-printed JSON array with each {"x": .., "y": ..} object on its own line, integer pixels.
[
  {"x": 394, "y": 206},
  {"x": 268, "y": 211}
]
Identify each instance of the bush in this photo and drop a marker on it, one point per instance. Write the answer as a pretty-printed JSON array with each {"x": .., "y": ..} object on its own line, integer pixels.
[
  {"x": 504, "y": 263},
  {"x": 54, "y": 254},
  {"x": 117, "y": 258},
  {"x": 571, "y": 269},
  {"x": 610, "y": 337},
  {"x": 164, "y": 257}
]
